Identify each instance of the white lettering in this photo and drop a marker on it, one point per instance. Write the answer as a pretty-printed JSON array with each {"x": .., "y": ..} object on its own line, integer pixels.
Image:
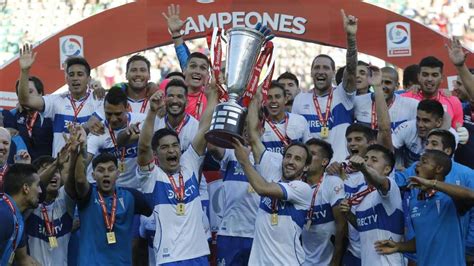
[
  {"x": 207, "y": 23},
  {"x": 190, "y": 26},
  {"x": 298, "y": 24},
  {"x": 320, "y": 214},
  {"x": 224, "y": 19},
  {"x": 269, "y": 21},
  {"x": 237, "y": 19},
  {"x": 255, "y": 15},
  {"x": 285, "y": 20},
  {"x": 367, "y": 220}
]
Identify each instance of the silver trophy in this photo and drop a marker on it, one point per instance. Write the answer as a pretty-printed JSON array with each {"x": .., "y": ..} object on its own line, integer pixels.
[{"x": 229, "y": 117}]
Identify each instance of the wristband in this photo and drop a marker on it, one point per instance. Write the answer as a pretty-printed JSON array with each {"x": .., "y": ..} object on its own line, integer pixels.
[{"x": 176, "y": 37}]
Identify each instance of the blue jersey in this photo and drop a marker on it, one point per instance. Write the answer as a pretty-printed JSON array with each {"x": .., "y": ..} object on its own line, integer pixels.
[
  {"x": 8, "y": 221},
  {"x": 93, "y": 247},
  {"x": 438, "y": 229}
]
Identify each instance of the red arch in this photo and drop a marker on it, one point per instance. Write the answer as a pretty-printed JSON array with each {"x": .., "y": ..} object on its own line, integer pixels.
[{"x": 138, "y": 26}]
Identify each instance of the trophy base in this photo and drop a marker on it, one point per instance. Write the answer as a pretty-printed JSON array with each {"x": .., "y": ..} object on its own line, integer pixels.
[{"x": 223, "y": 138}]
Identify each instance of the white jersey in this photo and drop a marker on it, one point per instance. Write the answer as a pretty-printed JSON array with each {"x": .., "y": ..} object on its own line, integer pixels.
[
  {"x": 354, "y": 183},
  {"x": 239, "y": 199},
  {"x": 148, "y": 231},
  {"x": 60, "y": 212},
  {"x": 317, "y": 240},
  {"x": 280, "y": 244},
  {"x": 408, "y": 144},
  {"x": 58, "y": 107},
  {"x": 187, "y": 133},
  {"x": 380, "y": 217},
  {"x": 103, "y": 143},
  {"x": 340, "y": 117},
  {"x": 402, "y": 109},
  {"x": 183, "y": 236},
  {"x": 297, "y": 130}
]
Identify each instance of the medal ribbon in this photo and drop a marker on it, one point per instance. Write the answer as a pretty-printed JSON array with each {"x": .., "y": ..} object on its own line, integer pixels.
[
  {"x": 180, "y": 126},
  {"x": 30, "y": 121},
  {"x": 114, "y": 141},
  {"x": 77, "y": 110},
  {"x": 324, "y": 121},
  {"x": 282, "y": 138},
  {"x": 313, "y": 199},
  {"x": 17, "y": 225},
  {"x": 109, "y": 221},
  {"x": 178, "y": 191},
  {"x": 373, "y": 116},
  {"x": 359, "y": 196},
  {"x": 48, "y": 224},
  {"x": 214, "y": 44},
  {"x": 3, "y": 171},
  {"x": 274, "y": 205}
]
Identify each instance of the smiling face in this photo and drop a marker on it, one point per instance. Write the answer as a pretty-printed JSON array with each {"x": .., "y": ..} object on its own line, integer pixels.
[
  {"x": 425, "y": 122},
  {"x": 430, "y": 78},
  {"x": 322, "y": 73},
  {"x": 176, "y": 100},
  {"x": 168, "y": 153},
  {"x": 138, "y": 74},
  {"x": 276, "y": 101},
  {"x": 294, "y": 163},
  {"x": 105, "y": 174},
  {"x": 77, "y": 79},
  {"x": 5, "y": 141},
  {"x": 389, "y": 83},
  {"x": 197, "y": 73}
]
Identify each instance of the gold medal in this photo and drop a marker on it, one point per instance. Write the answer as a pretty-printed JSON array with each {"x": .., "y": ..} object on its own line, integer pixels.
[
  {"x": 324, "y": 132},
  {"x": 53, "y": 242},
  {"x": 250, "y": 189},
  {"x": 12, "y": 257},
  {"x": 180, "y": 209},
  {"x": 274, "y": 218},
  {"x": 121, "y": 166},
  {"x": 111, "y": 238}
]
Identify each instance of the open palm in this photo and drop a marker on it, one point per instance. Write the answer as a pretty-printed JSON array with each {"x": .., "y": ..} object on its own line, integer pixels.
[
  {"x": 175, "y": 23},
  {"x": 27, "y": 57}
]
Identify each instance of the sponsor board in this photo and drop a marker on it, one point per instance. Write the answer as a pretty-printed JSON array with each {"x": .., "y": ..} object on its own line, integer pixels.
[
  {"x": 70, "y": 45},
  {"x": 398, "y": 39}
]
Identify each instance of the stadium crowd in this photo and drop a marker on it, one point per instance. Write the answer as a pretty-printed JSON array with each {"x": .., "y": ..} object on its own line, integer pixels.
[{"x": 126, "y": 176}]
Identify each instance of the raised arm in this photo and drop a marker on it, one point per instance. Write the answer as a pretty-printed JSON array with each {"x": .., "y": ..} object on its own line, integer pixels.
[
  {"x": 345, "y": 210},
  {"x": 384, "y": 136},
  {"x": 259, "y": 184},
  {"x": 129, "y": 135},
  {"x": 80, "y": 171},
  {"x": 350, "y": 28},
  {"x": 175, "y": 25},
  {"x": 253, "y": 127},
  {"x": 145, "y": 152},
  {"x": 27, "y": 58},
  {"x": 458, "y": 58},
  {"x": 199, "y": 142},
  {"x": 381, "y": 183}
]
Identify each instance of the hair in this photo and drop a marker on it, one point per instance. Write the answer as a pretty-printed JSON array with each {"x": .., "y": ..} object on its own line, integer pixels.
[
  {"x": 17, "y": 175},
  {"x": 138, "y": 58},
  {"x": 431, "y": 61},
  {"x": 42, "y": 160},
  {"x": 447, "y": 138},
  {"x": 161, "y": 133},
  {"x": 198, "y": 55},
  {"x": 387, "y": 154},
  {"x": 38, "y": 84},
  {"x": 325, "y": 146},
  {"x": 176, "y": 83},
  {"x": 368, "y": 133},
  {"x": 410, "y": 75},
  {"x": 78, "y": 61},
  {"x": 391, "y": 71},
  {"x": 362, "y": 63},
  {"x": 340, "y": 74},
  {"x": 104, "y": 157},
  {"x": 174, "y": 73},
  {"x": 431, "y": 107},
  {"x": 440, "y": 159},
  {"x": 116, "y": 96},
  {"x": 309, "y": 157},
  {"x": 333, "y": 64},
  {"x": 276, "y": 84},
  {"x": 288, "y": 75}
]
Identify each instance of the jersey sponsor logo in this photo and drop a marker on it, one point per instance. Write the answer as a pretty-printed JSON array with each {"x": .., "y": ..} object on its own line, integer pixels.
[
  {"x": 415, "y": 212},
  {"x": 337, "y": 189},
  {"x": 188, "y": 192},
  {"x": 366, "y": 221}
]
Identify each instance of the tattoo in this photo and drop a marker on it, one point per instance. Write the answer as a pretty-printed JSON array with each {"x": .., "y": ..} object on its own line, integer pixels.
[{"x": 349, "y": 81}]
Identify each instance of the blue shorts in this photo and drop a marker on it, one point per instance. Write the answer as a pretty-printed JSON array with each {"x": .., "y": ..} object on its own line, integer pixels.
[
  {"x": 350, "y": 260},
  {"x": 191, "y": 262},
  {"x": 233, "y": 250}
]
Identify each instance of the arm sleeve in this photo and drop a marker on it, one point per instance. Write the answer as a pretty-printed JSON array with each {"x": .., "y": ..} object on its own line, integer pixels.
[
  {"x": 270, "y": 166},
  {"x": 142, "y": 202},
  {"x": 93, "y": 143},
  {"x": 398, "y": 136},
  {"x": 458, "y": 112},
  {"x": 401, "y": 177},
  {"x": 296, "y": 192},
  {"x": 147, "y": 177},
  {"x": 182, "y": 52},
  {"x": 9, "y": 119},
  {"x": 49, "y": 110},
  {"x": 392, "y": 198},
  {"x": 335, "y": 190},
  {"x": 347, "y": 98}
]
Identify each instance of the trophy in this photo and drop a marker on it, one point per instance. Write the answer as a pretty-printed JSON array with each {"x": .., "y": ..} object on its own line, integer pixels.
[{"x": 228, "y": 120}]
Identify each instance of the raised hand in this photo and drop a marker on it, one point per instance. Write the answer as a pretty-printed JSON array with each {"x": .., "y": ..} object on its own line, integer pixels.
[
  {"x": 133, "y": 129},
  {"x": 22, "y": 157},
  {"x": 455, "y": 52},
  {"x": 357, "y": 162},
  {"x": 385, "y": 247},
  {"x": 241, "y": 152},
  {"x": 350, "y": 23},
  {"x": 344, "y": 207},
  {"x": 375, "y": 76},
  {"x": 27, "y": 57},
  {"x": 421, "y": 183},
  {"x": 175, "y": 23},
  {"x": 156, "y": 101},
  {"x": 98, "y": 90}
]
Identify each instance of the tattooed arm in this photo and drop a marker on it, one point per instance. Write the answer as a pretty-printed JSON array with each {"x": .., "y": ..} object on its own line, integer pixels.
[{"x": 350, "y": 27}]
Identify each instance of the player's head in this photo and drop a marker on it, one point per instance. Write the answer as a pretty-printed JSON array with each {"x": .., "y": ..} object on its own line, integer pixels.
[
  {"x": 323, "y": 69},
  {"x": 176, "y": 97},
  {"x": 41, "y": 163},
  {"x": 389, "y": 81},
  {"x": 105, "y": 172},
  {"x": 432, "y": 164},
  {"x": 291, "y": 84},
  {"x": 380, "y": 159},
  {"x": 115, "y": 108},
  {"x": 175, "y": 75},
  {"x": 410, "y": 76},
  {"x": 197, "y": 70},
  {"x": 441, "y": 140},
  {"x": 431, "y": 74},
  {"x": 35, "y": 86},
  {"x": 340, "y": 74},
  {"x": 321, "y": 153},
  {"x": 429, "y": 115},
  {"x": 138, "y": 72},
  {"x": 276, "y": 99},
  {"x": 166, "y": 146},
  {"x": 78, "y": 74},
  {"x": 460, "y": 89},
  {"x": 22, "y": 181},
  {"x": 296, "y": 160},
  {"x": 358, "y": 138},
  {"x": 5, "y": 142},
  {"x": 362, "y": 77}
]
